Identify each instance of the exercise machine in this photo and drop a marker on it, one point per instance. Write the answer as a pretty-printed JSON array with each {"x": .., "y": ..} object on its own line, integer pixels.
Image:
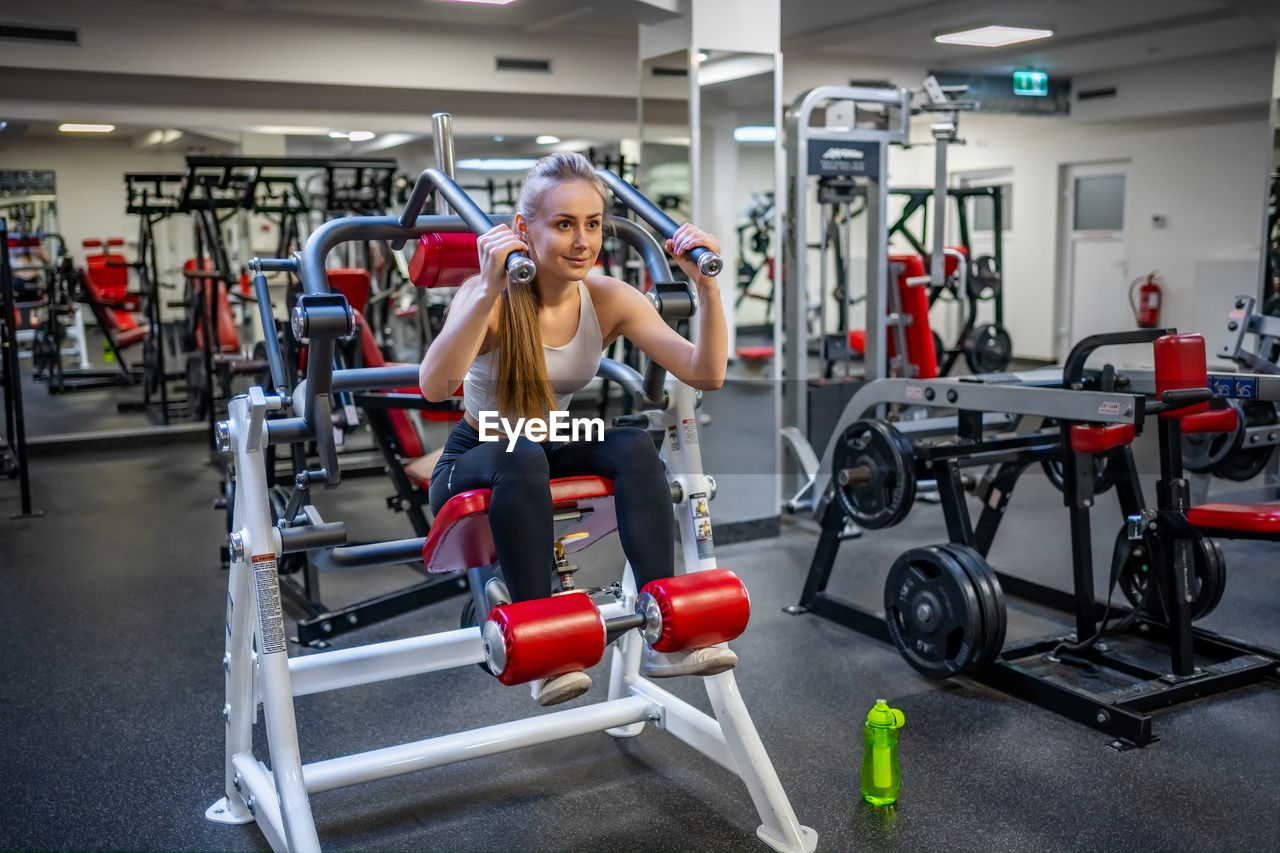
[
  {"x": 256, "y": 661},
  {"x": 944, "y": 604}
]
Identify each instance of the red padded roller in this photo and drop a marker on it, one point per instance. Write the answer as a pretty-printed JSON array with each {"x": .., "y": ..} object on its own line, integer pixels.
[
  {"x": 699, "y": 609},
  {"x": 444, "y": 259},
  {"x": 544, "y": 637},
  {"x": 1180, "y": 364}
]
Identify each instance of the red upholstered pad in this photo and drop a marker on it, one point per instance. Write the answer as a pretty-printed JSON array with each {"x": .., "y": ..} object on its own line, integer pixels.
[
  {"x": 757, "y": 353},
  {"x": 1096, "y": 438},
  {"x": 1180, "y": 364},
  {"x": 353, "y": 283},
  {"x": 460, "y": 537},
  {"x": 1214, "y": 420},
  {"x": 699, "y": 609},
  {"x": 858, "y": 341},
  {"x": 548, "y": 636},
  {"x": 129, "y": 337},
  {"x": 444, "y": 259},
  {"x": 1247, "y": 518}
]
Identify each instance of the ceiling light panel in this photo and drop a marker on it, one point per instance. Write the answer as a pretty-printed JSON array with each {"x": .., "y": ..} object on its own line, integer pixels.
[
  {"x": 73, "y": 127},
  {"x": 992, "y": 36}
]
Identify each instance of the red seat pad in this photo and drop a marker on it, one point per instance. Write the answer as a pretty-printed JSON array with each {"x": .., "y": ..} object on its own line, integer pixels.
[
  {"x": 460, "y": 536},
  {"x": 1097, "y": 438},
  {"x": 757, "y": 352},
  {"x": 1214, "y": 420},
  {"x": 1248, "y": 518}
]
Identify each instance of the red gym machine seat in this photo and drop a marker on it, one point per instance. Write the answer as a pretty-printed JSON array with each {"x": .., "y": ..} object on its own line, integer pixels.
[
  {"x": 1099, "y": 438},
  {"x": 921, "y": 352},
  {"x": 1180, "y": 363},
  {"x": 460, "y": 537},
  {"x": 1257, "y": 519}
]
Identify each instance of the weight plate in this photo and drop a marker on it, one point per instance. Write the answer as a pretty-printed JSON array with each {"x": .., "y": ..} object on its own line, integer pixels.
[
  {"x": 983, "y": 281},
  {"x": 885, "y": 493},
  {"x": 1203, "y": 450},
  {"x": 1245, "y": 463},
  {"x": 987, "y": 348},
  {"x": 1208, "y": 584},
  {"x": 1103, "y": 478},
  {"x": 932, "y": 612},
  {"x": 990, "y": 596}
]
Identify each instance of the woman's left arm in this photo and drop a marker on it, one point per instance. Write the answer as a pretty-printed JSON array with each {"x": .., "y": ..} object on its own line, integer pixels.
[{"x": 701, "y": 363}]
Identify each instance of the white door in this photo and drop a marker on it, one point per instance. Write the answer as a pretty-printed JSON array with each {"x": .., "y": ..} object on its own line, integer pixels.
[{"x": 1094, "y": 289}]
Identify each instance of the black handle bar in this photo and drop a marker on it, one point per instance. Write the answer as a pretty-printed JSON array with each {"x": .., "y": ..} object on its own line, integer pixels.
[
  {"x": 520, "y": 269},
  {"x": 709, "y": 263}
]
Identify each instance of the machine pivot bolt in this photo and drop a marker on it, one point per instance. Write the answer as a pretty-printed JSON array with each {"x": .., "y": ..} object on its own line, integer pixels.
[
  {"x": 226, "y": 661},
  {"x": 1102, "y": 716},
  {"x": 235, "y": 546},
  {"x": 222, "y": 430},
  {"x": 1232, "y": 326},
  {"x": 226, "y": 713},
  {"x": 298, "y": 322}
]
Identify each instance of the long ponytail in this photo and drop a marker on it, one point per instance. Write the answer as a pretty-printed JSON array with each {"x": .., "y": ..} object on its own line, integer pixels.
[{"x": 523, "y": 389}]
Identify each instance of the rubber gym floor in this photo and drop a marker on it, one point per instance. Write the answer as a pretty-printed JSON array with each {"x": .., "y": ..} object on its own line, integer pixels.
[{"x": 111, "y": 702}]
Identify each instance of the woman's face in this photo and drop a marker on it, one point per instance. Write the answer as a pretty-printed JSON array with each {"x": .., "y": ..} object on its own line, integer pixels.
[{"x": 564, "y": 235}]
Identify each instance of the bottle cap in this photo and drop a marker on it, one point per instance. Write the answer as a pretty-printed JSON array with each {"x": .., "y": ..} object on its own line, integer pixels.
[{"x": 885, "y": 717}]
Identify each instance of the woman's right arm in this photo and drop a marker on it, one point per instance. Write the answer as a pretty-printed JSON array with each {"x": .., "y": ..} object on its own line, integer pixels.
[{"x": 450, "y": 355}]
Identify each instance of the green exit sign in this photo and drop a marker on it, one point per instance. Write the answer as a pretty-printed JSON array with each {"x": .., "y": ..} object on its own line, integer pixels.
[{"x": 1031, "y": 83}]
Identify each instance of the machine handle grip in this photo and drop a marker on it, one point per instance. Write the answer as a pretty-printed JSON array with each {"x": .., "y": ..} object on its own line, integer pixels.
[
  {"x": 709, "y": 263},
  {"x": 520, "y": 269}
]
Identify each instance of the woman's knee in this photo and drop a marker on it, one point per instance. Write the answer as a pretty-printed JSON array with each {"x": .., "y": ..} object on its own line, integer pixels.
[
  {"x": 525, "y": 460},
  {"x": 631, "y": 448}
]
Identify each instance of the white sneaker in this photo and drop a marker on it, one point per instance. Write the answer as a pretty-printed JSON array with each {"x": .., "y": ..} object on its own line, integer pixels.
[
  {"x": 560, "y": 688},
  {"x": 709, "y": 661}
]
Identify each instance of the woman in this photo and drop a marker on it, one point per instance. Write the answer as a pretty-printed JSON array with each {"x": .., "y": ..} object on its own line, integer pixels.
[{"x": 522, "y": 350}]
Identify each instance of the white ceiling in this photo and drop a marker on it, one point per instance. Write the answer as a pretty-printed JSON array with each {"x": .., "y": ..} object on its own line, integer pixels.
[{"x": 1091, "y": 36}]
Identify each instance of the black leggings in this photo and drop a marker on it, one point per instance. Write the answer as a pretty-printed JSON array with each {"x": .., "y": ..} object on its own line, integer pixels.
[{"x": 520, "y": 506}]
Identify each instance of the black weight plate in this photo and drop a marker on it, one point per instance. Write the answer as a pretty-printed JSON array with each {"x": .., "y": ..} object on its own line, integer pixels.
[
  {"x": 886, "y": 497},
  {"x": 1245, "y": 463},
  {"x": 932, "y": 612},
  {"x": 1103, "y": 478},
  {"x": 987, "y": 348},
  {"x": 983, "y": 281},
  {"x": 1209, "y": 580},
  {"x": 991, "y": 596}
]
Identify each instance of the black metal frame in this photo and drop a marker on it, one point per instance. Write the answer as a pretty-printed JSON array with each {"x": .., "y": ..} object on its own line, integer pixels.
[
  {"x": 13, "y": 452},
  {"x": 1165, "y": 664}
]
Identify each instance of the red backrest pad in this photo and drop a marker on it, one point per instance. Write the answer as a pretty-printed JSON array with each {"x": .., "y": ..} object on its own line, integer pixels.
[
  {"x": 1180, "y": 364},
  {"x": 353, "y": 283}
]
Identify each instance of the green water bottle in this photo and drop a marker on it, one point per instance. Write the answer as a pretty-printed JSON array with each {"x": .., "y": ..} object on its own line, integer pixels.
[{"x": 881, "y": 777}]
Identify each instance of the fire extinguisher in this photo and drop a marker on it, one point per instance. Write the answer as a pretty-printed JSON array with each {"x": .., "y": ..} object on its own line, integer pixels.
[{"x": 1146, "y": 310}]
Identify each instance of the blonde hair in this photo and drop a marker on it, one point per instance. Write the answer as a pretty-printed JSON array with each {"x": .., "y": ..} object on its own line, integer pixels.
[{"x": 523, "y": 389}]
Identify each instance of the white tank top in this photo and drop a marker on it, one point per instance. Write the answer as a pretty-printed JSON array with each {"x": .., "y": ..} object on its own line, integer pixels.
[{"x": 569, "y": 368}]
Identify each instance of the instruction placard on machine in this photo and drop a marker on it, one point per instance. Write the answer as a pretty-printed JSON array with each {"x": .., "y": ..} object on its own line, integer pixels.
[
  {"x": 266, "y": 582},
  {"x": 698, "y": 505}
]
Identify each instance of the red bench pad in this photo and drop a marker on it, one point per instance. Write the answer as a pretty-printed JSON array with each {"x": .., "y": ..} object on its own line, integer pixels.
[
  {"x": 1247, "y": 518},
  {"x": 460, "y": 536},
  {"x": 1214, "y": 420},
  {"x": 1098, "y": 438}
]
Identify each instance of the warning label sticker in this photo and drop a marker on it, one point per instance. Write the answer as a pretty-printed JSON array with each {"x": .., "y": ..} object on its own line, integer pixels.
[
  {"x": 690, "y": 430},
  {"x": 674, "y": 435},
  {"x": 266, "y": 583},
  {"x": 1109, "y": 407}
]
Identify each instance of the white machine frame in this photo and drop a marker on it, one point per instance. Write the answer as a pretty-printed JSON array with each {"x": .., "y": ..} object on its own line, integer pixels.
[{"x": 259, "y": 670}]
